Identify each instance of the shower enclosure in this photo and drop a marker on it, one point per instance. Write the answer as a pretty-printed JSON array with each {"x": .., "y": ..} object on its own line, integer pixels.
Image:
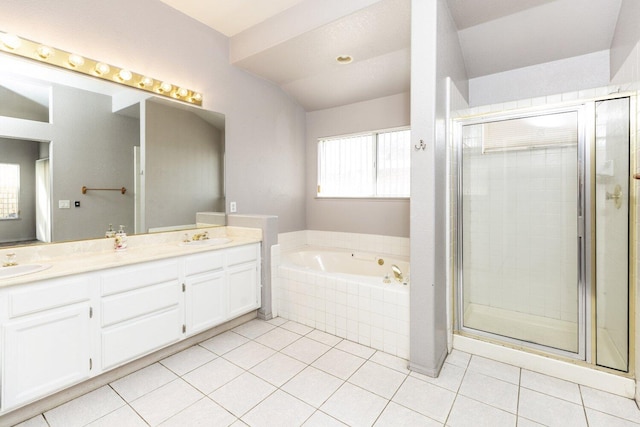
[{"x": 543, "y": 229}]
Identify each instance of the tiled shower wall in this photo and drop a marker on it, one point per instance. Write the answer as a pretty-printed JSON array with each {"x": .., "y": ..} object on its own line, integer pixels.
[{"x": 521, "y": 222}]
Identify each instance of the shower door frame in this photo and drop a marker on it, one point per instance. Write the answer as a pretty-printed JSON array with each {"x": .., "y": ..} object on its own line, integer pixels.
[{"x": 586, "y": 134}]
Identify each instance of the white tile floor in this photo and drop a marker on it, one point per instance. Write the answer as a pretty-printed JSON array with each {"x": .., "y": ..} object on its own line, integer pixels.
[{"x": 280, "y": 373}]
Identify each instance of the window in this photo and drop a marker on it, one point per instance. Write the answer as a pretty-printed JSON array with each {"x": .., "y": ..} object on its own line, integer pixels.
[
  {"x": 9, "y": 190},
  {"x": 365, "y": 165}
]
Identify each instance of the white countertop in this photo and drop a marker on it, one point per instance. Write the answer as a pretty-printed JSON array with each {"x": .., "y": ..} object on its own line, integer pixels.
[{"x": 91, "y": 255}]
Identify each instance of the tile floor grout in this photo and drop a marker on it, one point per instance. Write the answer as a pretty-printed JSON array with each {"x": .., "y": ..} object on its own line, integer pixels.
[{"x": 339, "y": 403}]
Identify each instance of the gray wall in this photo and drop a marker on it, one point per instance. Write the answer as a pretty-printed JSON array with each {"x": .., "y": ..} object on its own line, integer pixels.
[
  {"x": 265, "y": 151},
  {"x": 624, "y": 45},
  {"x": 369, "y": 216},
  {"x": 24, "y": 153},
  {"x": 565, "y": 75},
  {"x": 93, "y": 147},
  {"x": 13, "y": 104},
  {"x": 184, "y": 166},
  {"x": 436, "y": 55}
]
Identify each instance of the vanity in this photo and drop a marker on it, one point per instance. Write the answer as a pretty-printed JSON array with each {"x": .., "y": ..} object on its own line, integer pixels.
[{"x": 94, "y": 309}]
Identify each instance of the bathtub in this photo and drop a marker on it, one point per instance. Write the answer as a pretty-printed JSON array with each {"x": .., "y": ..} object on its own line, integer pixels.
[
  {"x": 350, "y": 294},
  {"x": 344, "y": 262}
]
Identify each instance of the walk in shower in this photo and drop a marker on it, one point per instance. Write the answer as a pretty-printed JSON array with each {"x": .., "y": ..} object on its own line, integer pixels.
[{"x": 543, "y": 229}]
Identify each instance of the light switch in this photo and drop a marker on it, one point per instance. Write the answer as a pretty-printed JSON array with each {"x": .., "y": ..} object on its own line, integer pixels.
[{"x": 64, "y": 204}]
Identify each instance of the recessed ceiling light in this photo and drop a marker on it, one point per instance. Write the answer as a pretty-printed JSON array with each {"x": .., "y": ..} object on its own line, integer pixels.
[{"x": 344, "y": 59}]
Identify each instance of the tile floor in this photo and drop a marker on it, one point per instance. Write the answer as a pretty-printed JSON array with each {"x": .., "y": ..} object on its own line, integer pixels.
[{"x": 281, "y": 373}]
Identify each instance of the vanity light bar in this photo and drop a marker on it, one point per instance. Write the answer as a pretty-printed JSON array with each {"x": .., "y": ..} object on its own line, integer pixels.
[{"x": 25, "y": 48}]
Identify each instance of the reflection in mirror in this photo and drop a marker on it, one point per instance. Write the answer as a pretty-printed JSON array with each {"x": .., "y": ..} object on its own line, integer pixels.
[
  {"x": 68, "y": 131},
  {"x": 184, "y": 154}
]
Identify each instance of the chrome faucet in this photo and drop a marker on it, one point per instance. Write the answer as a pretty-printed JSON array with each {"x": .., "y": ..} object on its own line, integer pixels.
[
  {"x": 196, "y": 237},
  {"x": 397, "y": 273},
  {"x": 9, "y": 260}
]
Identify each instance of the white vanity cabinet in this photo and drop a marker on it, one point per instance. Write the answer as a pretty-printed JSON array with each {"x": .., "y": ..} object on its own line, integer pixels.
[
  {"x": 243, "y": 271},
  {"x": 46, "y": 339},
  {"x": 58, "y": 332},
  {"x": 205, "y": 291},
  {"x": 141, "y": 310},
  {"x": 221, "y": 286}
]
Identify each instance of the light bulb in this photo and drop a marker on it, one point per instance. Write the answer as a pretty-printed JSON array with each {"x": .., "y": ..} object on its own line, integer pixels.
[
  {"x": 182, "y": 92},
  {"x": 11, "y": 41},
  {"x": 197, "y": 97},
  {"x": 146, "y": 82},
  {"x": 165, "y": 87},
  {"x": 44, "y": 51},
  {"x": 125, "y": 75},
  {"x": 76, "y": 60},
  {"x": 101, "y": 69}
]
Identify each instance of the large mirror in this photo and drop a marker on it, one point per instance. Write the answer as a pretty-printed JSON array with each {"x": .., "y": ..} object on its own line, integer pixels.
[{"x": 78, "y": 154}]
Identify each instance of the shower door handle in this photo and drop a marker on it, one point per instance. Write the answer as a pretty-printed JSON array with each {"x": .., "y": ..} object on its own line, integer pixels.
[{"x": 616, "y": 196}]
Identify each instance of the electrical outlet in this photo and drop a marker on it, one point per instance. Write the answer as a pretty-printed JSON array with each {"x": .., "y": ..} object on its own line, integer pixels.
[
  {"x": 64, "y": 204},
  {"x": 232, "y": 207}
]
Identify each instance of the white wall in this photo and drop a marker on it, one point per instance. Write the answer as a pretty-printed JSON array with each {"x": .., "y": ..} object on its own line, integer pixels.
[
  {"x": 436, "y": 57},
  {"x": 368, "y": 216},
  {"x": 565, "y": 75},
  {"x": 264, "y": 127},
  {"x": 625, "y": 55}
]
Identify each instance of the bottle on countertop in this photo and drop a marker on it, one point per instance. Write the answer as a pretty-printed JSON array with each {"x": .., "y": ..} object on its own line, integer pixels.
[
  {"x": 121, "y": 239},
  {"x": 110, "y": 232}
]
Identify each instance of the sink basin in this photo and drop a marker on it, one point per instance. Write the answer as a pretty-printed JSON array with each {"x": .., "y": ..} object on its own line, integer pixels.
[
  {"x": 21, "y": 270},
  {"x": 207, "y": 242}
]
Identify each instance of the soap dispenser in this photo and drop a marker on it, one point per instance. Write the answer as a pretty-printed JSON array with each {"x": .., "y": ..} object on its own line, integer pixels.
[
  {"x": 121, "y": 239},
  {"x": 110, "y": 232}
]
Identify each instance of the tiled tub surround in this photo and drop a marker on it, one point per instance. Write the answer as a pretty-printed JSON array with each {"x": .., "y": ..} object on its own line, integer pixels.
[{"x": 359, "y": 308}]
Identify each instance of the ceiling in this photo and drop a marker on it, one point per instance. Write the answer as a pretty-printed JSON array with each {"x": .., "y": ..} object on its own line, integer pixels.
[{"x": 294, "y": 43}]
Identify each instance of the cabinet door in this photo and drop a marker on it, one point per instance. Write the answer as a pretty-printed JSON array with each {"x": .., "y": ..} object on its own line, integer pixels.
[
  {"x": 206, "y": 301},
  {"x": 45, "y": 352},
  {"x": 243, "y": 288}
]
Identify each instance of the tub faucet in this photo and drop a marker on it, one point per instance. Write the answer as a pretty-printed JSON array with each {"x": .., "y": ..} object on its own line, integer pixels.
[{"x": 397, "y": 273}]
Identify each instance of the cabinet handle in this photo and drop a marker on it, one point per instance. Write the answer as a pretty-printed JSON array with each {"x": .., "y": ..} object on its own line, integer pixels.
[
  {"x": 90, "y": 363},
  {"x": 184, "y": 287}
]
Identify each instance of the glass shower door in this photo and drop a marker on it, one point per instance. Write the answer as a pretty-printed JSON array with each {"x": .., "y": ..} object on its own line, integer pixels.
[
  {"x": 519, "y": 216},
  {"x": 612, "y": 233}
]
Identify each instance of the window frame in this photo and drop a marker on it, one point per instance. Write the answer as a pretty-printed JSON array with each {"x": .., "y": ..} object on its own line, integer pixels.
[
  {"x": 375, "y": 134},
  {"x": 17, "y": 197}
]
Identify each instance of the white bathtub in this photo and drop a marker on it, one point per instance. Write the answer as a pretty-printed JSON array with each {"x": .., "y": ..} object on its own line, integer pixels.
[
  {"x": 341, "y": 261},
  {"x": 345, "y": 293}
]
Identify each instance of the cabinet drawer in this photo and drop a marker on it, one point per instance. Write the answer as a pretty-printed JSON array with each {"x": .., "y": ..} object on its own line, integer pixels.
[
  {"x": 128, "y": 305},
  {"x": 138, "y": 276},
  {"x": 128, "y": 341},
  {"x": 201, "y": 263},
  {"x": 242, "y": 254},
  {"x": 50, "y": 294}
]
